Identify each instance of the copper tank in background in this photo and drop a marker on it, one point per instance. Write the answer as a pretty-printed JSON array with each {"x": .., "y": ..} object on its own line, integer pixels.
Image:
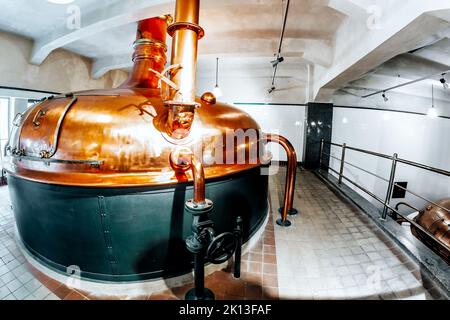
[
  {"x": 437, "y": 222},
  {"x": 91, "y": 174}
]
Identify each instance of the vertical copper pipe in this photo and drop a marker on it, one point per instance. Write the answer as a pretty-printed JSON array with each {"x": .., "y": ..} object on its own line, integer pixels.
[
  {"x": 185, "y": 32},
  {"x": 149, "y": 53},
  {"x": 198, "y": 175},
  {"x": 182, "y": 160},
  {"x": 291, "y": 171}
]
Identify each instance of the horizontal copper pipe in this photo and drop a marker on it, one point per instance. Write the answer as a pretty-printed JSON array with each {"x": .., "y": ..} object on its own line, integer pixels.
[{"x": 291, "y": 170}]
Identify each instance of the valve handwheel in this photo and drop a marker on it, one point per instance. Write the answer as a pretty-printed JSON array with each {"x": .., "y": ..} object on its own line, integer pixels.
[{"x": 221, "y": 248}]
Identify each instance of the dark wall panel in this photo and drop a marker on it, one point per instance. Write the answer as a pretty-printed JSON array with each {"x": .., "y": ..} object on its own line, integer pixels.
[{"x": 319, "y": 126}]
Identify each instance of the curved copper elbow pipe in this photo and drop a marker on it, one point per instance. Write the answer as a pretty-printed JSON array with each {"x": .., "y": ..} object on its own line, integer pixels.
[
  {"x": 184, "y": 160},
  {"x": 290, "y": 176},
  {"x": 198, "y": 175}
]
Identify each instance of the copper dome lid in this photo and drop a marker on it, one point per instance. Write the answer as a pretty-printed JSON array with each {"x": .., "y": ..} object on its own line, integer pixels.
[{"x": 124, "y": 137}]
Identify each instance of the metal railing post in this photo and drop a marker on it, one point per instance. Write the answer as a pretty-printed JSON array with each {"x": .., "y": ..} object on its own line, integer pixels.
[
  {"x": 390, "y": 187},
  {"x": 341, "y": 170},
  {"x": 322, "y": 141}
]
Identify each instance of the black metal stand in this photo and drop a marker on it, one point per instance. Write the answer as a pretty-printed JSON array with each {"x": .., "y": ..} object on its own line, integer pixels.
[
  {"x": 282, "y": 223},
  {"x": 216, "y": 249},
  {"x": 197, "y": 243},
  {"x": 199, "y": 292},
  {"x": 238, "y": 233}
]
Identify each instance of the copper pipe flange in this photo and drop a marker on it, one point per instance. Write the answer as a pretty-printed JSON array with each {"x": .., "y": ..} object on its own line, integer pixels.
[
  {"x": 186, "y": 25},
  {"x": 199, "y": 206},
  {"x": 145, "y": 41},
  {"x": 156, "y": 58}
]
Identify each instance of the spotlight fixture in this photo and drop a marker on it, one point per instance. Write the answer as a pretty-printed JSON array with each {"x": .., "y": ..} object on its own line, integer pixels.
[
  {"x": 278, "y": 60},
  {"x": 444, "y": 82},
  {"x": 385, "y": 98},
  {"x": 217, "y": 91},
  {"x": 272, "y": 89},
  {"x": 432, "y": 113}
]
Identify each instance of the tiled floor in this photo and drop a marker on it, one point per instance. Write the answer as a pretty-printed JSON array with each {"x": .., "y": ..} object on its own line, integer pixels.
[{"x": 331, "y": 251}]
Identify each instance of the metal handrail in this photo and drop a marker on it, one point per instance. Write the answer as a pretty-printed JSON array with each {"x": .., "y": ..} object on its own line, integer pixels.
[
  {"x": 418, "y": 226},
  {"x": 395, "y": 160},
  {"x": 385, "y": 156}
]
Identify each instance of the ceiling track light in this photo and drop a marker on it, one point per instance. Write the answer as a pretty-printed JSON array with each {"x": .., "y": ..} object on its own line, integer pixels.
[
  {"x": 277, "y": 61},
  {"x": 431, "y": 76},
  {"x": 279, "y": 58},
  {"x": 432, "y": 113},
  {"x": 385, "y": 98},
  {"x": 217, "y": 91},
  {"x": 444, "y": 82}
]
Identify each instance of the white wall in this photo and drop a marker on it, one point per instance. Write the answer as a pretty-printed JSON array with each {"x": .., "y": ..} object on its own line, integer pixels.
[
  {"x": 289, "y": 121},
  {"x": 413, "y": 137},
  {"x": 247, "y": 80}
]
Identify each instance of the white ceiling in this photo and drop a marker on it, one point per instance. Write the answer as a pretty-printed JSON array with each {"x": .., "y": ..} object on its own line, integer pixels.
[
  {"x": 332, "y": 36},
  {"x": 248, "y": 28}
]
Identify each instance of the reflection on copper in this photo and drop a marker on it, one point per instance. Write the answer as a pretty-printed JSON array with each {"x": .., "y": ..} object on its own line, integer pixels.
[
  {"x": 150, "y": 53},
  {"x": 118, "y": 137},
  {"x": 182, "y": 160},
  {"x": 291, "y": 171},
  {"x": 437, "y": 222},
  {"x": 181, "y": 100}
]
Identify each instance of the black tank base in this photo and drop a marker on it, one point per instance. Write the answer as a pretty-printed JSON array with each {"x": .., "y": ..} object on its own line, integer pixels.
[
  {"x": 208, "y": 295},
  {"x": 282, "y": 223},
  {"x": 291, "y": 212}
]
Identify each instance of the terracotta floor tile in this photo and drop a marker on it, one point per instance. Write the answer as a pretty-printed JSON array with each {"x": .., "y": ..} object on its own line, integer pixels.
[
  {"x": 269, "y": 268},
  {"x": 253, "y": 291},
  {"x": 52, "y": 285},
  {"x": 62, "y": 291},
  {"x": 236, "y": 288},
  {"x": 270, "y": 280},
  {"x": 255, "y": 257},
  {"x": 74, "y": 295},
  {"x": 270, "y": 293},
  {"x": 269, "y": 249},
  {"x": 162, "y": 297},
  {"x": 255, "y": 267},
  {"x": 269, "y": 241},
  {"x": 270, "y": 258}
]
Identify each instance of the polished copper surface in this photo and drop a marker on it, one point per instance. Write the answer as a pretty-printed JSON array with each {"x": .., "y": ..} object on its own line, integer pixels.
[
  {"x": 124, "y": 137},
  {"x": 291, "y": 171},
  {"x": 184, "y": 49},
  {"x": 209, "y": 97},
  {"x": 150, "y": 53},
  {"x": 437, "y": 222},
  {"x": 125, "y": 130}
]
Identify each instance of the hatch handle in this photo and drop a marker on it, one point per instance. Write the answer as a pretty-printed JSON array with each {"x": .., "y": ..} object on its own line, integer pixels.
[{"x": 37, "y": 117}]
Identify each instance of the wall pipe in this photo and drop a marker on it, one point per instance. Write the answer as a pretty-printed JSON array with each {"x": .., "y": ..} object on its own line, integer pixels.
[{"x": 290, "y": 177}]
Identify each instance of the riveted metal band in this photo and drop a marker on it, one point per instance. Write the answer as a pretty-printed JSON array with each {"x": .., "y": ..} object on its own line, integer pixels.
[{"x": 145, "y": 41}]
